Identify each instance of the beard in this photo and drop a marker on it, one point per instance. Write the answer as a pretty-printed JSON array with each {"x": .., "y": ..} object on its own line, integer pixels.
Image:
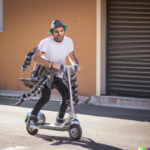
[{"x": 58, "y": 39}]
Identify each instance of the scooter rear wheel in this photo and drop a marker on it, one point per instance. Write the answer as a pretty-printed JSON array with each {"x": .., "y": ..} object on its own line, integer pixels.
[
  {"x": 75, "y": 132},
  {"x": 30, "y": 130}
]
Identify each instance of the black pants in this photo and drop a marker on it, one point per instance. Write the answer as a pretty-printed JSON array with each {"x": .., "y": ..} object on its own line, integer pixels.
[{"x": 45, "y": 96}]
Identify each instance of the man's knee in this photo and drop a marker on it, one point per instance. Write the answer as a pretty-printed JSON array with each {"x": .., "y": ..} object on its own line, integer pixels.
[
  {"x": 45, "y": 98},
  {"x": 45, "y": 94},
  {"x": 66, "y": 97}
]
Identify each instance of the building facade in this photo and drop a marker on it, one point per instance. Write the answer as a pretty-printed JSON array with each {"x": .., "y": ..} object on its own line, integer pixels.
[{"x": 111, "y": 41}]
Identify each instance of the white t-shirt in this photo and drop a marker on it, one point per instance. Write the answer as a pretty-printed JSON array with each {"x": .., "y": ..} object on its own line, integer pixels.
[{"x": 56, "y": 51}]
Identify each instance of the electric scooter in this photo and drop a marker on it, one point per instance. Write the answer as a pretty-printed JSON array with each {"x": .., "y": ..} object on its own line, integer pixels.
[{"x": 71, "y": 124}]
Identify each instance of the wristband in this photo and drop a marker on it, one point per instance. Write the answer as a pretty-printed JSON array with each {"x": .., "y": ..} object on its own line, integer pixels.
[{"x": 61, "y": 66}]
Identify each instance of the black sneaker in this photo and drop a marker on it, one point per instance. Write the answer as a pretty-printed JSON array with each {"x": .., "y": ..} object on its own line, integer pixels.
[{"x": 33, "y": 120}]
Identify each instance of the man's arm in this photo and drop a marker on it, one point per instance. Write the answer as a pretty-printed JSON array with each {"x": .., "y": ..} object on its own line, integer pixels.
[
  {"x": 38, "y": 59},
  {"x": 74, "y": 60}
]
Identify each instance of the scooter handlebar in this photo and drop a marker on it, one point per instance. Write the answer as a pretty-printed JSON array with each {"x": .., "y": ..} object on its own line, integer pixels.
[{"x": 73, "y": 69}]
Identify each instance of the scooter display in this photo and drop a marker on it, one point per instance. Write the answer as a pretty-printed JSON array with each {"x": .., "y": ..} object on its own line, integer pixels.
[{"x": 70, "y": 124}]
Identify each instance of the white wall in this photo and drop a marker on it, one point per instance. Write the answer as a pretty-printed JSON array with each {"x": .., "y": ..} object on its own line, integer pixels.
[
  {"x": 1, "y": 15},
  {"x": 101, "y": 47}
]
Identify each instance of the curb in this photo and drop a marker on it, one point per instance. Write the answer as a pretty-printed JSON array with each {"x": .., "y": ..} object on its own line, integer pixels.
[{"x": 121, "y": 102}]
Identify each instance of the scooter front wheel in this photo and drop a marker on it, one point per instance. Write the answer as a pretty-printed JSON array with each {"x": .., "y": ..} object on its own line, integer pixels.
[
  {"x": 31, "y": 130},
  {"x": 75, "y": 131}
]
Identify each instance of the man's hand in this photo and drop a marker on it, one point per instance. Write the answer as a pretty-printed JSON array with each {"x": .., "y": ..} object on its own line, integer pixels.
[
  {"x": 74, "y": 60},
  {"x": 56, "y": 66},
  {"x": 79, "y": 68}
]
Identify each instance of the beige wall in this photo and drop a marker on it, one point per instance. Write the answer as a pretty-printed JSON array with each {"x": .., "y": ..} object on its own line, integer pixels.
[{"x": 27, "y": 22}]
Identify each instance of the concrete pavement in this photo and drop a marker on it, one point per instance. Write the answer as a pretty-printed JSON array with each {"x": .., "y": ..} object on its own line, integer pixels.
[
  {"x": 94, "y": 110},
  {"x": 104, "y": 128}
]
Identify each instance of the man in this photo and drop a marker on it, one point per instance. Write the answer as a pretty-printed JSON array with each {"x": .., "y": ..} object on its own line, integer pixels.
[{"x": 55, "y": 49}]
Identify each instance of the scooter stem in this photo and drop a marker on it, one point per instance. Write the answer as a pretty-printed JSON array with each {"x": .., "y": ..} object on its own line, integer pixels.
[{"x": 70, "y": 90}]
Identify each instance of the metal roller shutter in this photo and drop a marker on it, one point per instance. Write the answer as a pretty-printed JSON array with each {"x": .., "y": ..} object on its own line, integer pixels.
[{"x": 128, "y": 48}]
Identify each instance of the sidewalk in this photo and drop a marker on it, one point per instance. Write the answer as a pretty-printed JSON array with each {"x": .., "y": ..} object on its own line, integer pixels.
[
  {"x": 54, "y": 96},
  {"x": 121, "y": 102},
  {"x": 109, "y": 101}
]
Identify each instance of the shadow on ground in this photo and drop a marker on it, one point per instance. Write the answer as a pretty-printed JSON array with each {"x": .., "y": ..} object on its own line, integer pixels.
[
  {"x": 111, "y": 112},
  {"x": 83, "y": 142}
]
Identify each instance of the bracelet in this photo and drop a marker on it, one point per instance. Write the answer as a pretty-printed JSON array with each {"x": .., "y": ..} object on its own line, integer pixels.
[
  {"x": 50, "y": 65},
  {"x": 61, "y": 66}
]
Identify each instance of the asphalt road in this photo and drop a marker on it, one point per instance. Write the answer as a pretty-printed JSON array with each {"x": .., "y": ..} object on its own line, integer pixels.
[{"x": 104, "y": 128}]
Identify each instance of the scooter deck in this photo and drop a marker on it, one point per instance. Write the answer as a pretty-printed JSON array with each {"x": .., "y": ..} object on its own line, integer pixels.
[{"x": 51, "y": 126}]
